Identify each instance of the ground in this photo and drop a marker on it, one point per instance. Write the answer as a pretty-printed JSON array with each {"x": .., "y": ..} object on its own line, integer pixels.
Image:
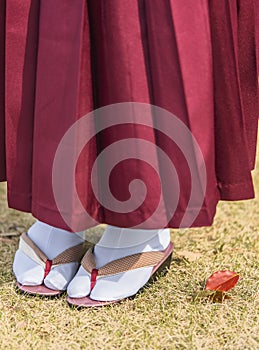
[{"x": 163, "y": 316}]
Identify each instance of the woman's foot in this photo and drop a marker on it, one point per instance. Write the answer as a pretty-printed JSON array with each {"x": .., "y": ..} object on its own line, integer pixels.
[
  {"x": 117, "y": 243},
  {"x": 51, "y": 241}
]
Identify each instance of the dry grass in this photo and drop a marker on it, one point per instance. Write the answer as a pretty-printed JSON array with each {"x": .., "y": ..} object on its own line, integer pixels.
[{"x": 161, "y": 317}]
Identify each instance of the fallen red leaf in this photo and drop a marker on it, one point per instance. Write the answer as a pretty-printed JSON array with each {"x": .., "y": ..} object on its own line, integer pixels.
[{"x": 222, "y": 281}]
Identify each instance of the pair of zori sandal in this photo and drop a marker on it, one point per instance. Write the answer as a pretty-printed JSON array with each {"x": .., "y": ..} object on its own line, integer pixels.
[{"x": 160, "y": 260}]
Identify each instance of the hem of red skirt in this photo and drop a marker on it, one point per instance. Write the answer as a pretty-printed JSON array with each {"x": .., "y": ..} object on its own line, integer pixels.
[
  {"x": 228, "y": 192},
  {"x": 53, "y": 217},
  {"x": 237, "y": 191}
]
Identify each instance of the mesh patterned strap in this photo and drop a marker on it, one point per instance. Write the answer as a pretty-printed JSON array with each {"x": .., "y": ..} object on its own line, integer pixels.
[
  {"x": 69, "y": 255},
  {"x": 127, "y": 263}
]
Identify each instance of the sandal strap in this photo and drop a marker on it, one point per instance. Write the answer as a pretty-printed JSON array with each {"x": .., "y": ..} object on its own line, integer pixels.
[
  {"x": 69, "y": 255},
  {"x": 130, "y": 262},
  {"x": 30, "y": 244}
]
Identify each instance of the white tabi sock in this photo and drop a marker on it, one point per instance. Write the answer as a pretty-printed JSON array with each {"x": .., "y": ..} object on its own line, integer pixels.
[
  {"x": 115, "y": 244},
  {"x": 52, "y": 241}
]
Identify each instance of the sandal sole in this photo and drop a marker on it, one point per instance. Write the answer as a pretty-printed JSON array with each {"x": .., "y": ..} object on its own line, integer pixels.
[{"x": 39, "y": 290}]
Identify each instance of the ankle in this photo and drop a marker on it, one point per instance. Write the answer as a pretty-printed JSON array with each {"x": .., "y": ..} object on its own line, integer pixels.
[
  {"x": 120, "y": 242},
  {"x": 52, "y": 240}
]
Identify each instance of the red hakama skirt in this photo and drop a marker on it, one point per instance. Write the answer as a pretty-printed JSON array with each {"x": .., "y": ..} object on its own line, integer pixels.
[{"x": 62, "y": 59}]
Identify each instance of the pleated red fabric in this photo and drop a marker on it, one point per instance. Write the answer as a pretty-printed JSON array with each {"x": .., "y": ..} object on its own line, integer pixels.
[
  {"x": 2, "y": 91},
  {"x": 61, "y": 60},
  {"x": 257, "y": 31}
]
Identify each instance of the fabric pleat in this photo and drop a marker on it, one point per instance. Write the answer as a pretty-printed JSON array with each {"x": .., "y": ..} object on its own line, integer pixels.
[
  {"x": 2, "y": 91},
  {"x": 22, "y": 19},
  {"x": 236, "y": 91}
]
